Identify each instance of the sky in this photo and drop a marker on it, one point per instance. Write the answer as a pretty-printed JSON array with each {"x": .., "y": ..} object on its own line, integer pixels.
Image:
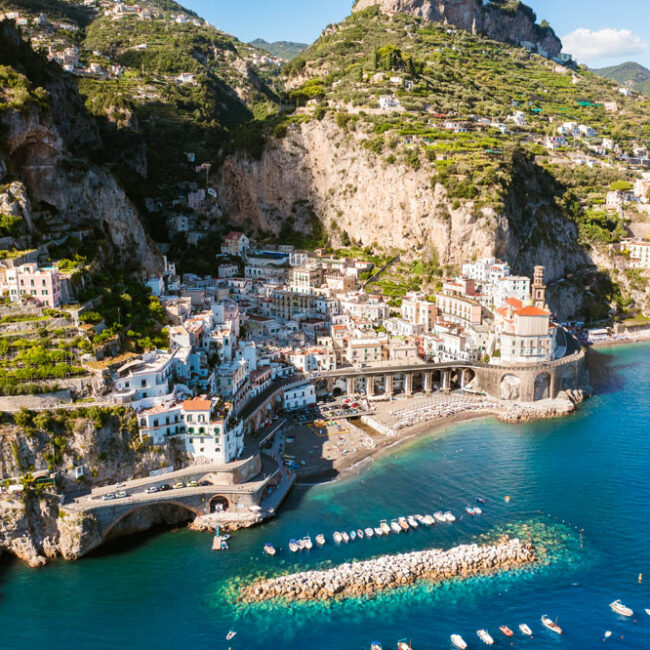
[{"x": 597, "y": 32}]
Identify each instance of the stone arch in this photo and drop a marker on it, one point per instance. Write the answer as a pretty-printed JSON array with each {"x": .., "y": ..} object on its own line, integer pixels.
[
  {"x": 152, "y": 507},
  {"x": 468, "y": 377},
  {"x": 219, "y": 503},
  {"x": 542, "y": 386},
  {"x": 510, "y": 387}
]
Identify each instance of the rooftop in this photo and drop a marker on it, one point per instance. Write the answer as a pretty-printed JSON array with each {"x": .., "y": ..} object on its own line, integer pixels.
[{"x": 197, "y": 404}]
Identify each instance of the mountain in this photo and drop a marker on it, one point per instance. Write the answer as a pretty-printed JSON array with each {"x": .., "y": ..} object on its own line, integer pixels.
[
  {"x": 509, "y": 21},
  {"x": 636, "y": 74},
  {"x": 281, "y": 49}
]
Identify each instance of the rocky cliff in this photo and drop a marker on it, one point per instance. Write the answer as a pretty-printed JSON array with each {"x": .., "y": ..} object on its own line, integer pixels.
[
  {"x": 320, "y": 171},
  {"x": 502, "y": 21}
]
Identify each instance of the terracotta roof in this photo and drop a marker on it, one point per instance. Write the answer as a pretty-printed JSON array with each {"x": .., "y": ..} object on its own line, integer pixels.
[
  {"x": 234, "y": 235},
  {"x": 514, "y": 302},
  {"x": 532, "y": 311},
  {"x": 197, "y": 404}
]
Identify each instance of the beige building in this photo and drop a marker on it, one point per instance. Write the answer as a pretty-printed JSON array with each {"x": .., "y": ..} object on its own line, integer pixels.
[
  {"x": 368, "y": 350},
  {"x": 419, "y": 311},
  {"x": 458, "y": 309}
]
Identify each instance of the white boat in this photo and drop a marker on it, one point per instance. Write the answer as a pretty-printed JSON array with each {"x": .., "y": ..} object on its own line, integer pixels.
[
  {"x": 307, "y": 543},
  {"x": 618, "y": 608},
  {"x": 345, "y": 537},
  {"x": 369, "y": 532},
  {"x": 359, "y": 533},
  {"x": 413, "y": 522},
  {"x": 554, "y": 627},
  {"x": 385, "y": 527},
  {"x": 449, "y": 517},
  {"x": 395, "y": 527},
  {"x": 647, "y": 611},
  {"x": 420, "y": 519},
  {"x": 484, "y": 635},
  {"x": 337, "y": 537},
  {"x": 375, "y": 645},
  {"x": 379, "y": 531},
  {"x": 525, "y": 629},
  {"x": 403, "y": 523},
  {"x": 429, "y": 520},
  {"x": 458, "y": 641},
  {"x": 294, "y": 546},
  {"x": 403, "y": 645},
  {"x": 470, "y": 511},
  {"x": 478, "y": 511},
  {"x": 320, "y": 540},
  {"x": 608, "y": 634},
  {"x": 353, "y": 536},
  {"x": 438, "y": 516},
  {"x": 231, "y": 635},
  {"x": 269, "y": 549}
]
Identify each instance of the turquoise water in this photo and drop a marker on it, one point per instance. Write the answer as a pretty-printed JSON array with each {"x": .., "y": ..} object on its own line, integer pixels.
[{"x": 586, "y": 473}]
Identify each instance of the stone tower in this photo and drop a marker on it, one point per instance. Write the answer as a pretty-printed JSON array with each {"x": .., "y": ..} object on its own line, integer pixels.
[{"x": 538, "y": 289}]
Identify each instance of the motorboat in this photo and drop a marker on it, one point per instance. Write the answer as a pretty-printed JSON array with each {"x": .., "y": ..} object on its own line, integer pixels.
[
  {"x": 359, "y": 533},
  {"x": 231, "y": 635},
  {"x": 369, "y": 532},
  {"x": 353, "y": 536},
  {"x": 525, "y": 629},
  {"x": 338, "y": 538},
  {"x": 608, "y": 633},
  {"x": 403, "y": 645},
  {"x": 618, "y": 608},
  {"x": 484, "y": 635},
  {"x": 480, "y": 500},
  {"x": 379, "y": 531},
  {"x": 320, "y": 540},
  {"x": 375, "y": 645},
  {"x": 419, "y": 519},
  {"x": 429, "y": 520},
  {"x": 385, "y": 527},
  {"x": 449, "y": 517},
  {"x": 413, "y": 522},
  {"x": 395, "y": 527},
  {"x": 345, "y": 537},
  {"x": 438, "y": 516},
  {"x": 551, "y": 625},
  {"x": 470, "y": 511},
  {"x": 458, "y": 641},
  {"x": 269, "y": 549},
  {"x": 307, "y": 543},
  {"x": 647, "y": 611},
  {"x": 294, "y": 546},
  {"x": 403, "y": 523},
  {"x": 506, "y": 631},
  {"x": 478, "y": 511}
]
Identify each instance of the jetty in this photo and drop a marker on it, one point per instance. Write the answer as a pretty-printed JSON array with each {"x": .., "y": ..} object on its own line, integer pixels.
[{"x": 391, "y": 571}]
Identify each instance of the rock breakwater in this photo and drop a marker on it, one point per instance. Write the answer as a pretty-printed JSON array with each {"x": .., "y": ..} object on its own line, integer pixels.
[{"x": 392, "y": 571}]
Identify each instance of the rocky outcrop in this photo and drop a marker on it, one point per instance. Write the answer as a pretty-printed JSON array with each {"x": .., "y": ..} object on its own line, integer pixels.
[
  {"x": 513, "y": 22},
  {"x": 392, "y": 571}
]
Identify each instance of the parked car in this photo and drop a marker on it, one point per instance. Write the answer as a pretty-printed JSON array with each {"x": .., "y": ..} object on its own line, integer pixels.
[
  {"x": 151, "y": 490},
  {"x": 192, "y": 484},
  {"x": 164, "y": 487},
  {"x": 179, "y": 485},
  {"x": 204, "y": 483},
  {"x": 122, "y": 495},
  {"x": 109, "y": 497},
  {"x": 120, "y": 485}
]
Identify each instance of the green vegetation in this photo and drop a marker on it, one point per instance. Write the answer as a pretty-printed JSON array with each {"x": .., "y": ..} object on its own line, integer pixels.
[
  {"x": 629, "y": 72},
  {"x": 280, "y": 49}
]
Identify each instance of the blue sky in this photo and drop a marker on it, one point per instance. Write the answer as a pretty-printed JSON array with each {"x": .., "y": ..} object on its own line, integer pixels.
[{"x": 599, "y": 33}]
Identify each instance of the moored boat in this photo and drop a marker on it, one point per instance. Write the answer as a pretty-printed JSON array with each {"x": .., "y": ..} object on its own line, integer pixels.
[
  {"x": 345, "y": 537},
  {"x": 480, "y": 500},
  {"x": 551, "y": 625},
  {"x": 231, "y": 635},
  {"x": 470, "y": 511},
  {"x": 525, "y": 629},
  {"x": 269, "y": 549},
  {"x": 375, "y": 645},
  {"x": 403, "y": 523},
  {"x": 353, "y": 536},
  {"x": 478, "y": 511},
  {"x": 449, "y": 517},
  {"x": 385, "y": 527},
  {"x": 379, "y": 531},
  {"x": 618, "y": 608},
  {"x": 395, "y": 527},
  {"x": 307, "y": 544},
  {"x": 294, "y": 546},
  {"x": 506, "y": 631},
  {"x": 429, "y": 520},
  {"x": 647, "y": 611},
  {"x": 320, "y": 539},
  {"x": 403, "y": 645},
  {"x": 484, "y": 635},
  {"x": 338, "y": 538},
  {"x": 438, "y": 516},
  {"x": 369, "y": 532},
  {"x": 412, "y": 522},
  {"x": 458, "y": 641},
  {"x": 359, "y": 533}
]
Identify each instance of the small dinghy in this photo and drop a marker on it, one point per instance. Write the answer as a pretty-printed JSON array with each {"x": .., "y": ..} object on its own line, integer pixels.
[
  {"x": 359, "y": 533},
  {"x": 413, "y": 522},
  {"x": 618, "y": 608},
  {"x": 438, "y": 516},
  {"x": 480, "y": 500},
  {"x": 449, "y": 517},
  {"x": 478, "y": 511},
  {"x": 429, "y": 520},
  {"x": 525, "y": 629},
  {"x": 470, "y": 511},
  {"x": 551, "y": 625},
  {"x": 608, "y": 634},
  {"x": 385, "y": 527},
  {"x": 269, "y": 549},
  {"x": 379, "y": 531},
  {"x": 484, "y": 635},
  {"x": 338, "y": 538},
  {"x": 403, "y": 645},
  {"x": 353, "y": 536},
  {"x": 294, "y": 546},
  {"x": 419, "y": 518},
  {"x": 231, "y": 635},
  {"x": 458, "y": 641},
  {"x": 369, "y": 532},
  {"x": 506, "y": 631},
  {"x": 375, "y": 645},
  {"x": 345, "y": 537},
  {"x": 395, "y": 527},
  {"x": 320, "y": 540},
  {"x": 647, "y": 611}
]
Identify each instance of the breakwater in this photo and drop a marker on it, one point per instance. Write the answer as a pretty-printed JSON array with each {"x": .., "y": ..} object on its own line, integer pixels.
[{"x": 391, "y": 571}]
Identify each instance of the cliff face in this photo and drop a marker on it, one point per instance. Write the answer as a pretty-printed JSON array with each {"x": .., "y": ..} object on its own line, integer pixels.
[
  {"x": 512, "y": 25},
  {"x": 349, "y": 188}
]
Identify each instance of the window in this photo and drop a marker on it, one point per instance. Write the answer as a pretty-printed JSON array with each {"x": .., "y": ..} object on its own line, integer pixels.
[{"x": 143, "y": 383}]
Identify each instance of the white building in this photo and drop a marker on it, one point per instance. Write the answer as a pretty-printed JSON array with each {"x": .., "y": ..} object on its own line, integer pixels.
[
  {"x": 516, "y": 286},
  {"x": 639, "y": 250},
  {"x": 149, "y": 376},
  {"x": 299, "y": 397}
]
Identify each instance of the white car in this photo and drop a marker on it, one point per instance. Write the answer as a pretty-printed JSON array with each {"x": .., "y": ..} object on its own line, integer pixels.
[
  {"x": 121, "y": 495},
  {"x": 151, "y": 490}
]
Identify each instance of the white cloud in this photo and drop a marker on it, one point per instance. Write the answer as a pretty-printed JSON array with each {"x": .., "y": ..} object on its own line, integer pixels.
[{"x": 587, "y": 45}]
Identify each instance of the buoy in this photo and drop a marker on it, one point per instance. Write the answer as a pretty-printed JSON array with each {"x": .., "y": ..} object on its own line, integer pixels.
[{"x": 640, "y": 578}]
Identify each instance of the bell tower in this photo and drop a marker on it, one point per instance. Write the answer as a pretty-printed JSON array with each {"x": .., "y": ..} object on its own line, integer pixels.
[{"x": 538, "y": 289}]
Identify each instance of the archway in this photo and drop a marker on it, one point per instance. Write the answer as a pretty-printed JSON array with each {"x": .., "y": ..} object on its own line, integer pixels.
[
  {"x": 542, "y": 386},
  {"x": 468, "y": 377},
  {"x": 146, "y": 516},
  {"x": 219, "y": 504},
  {"x": 510, "y": 388}
]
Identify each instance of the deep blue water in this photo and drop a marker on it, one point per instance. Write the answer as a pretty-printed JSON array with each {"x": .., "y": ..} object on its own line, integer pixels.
[{"x": 586, "y": 473}]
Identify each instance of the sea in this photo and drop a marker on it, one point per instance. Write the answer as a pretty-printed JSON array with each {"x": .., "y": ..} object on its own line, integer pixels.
[{"x": 578, "y": 486}]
